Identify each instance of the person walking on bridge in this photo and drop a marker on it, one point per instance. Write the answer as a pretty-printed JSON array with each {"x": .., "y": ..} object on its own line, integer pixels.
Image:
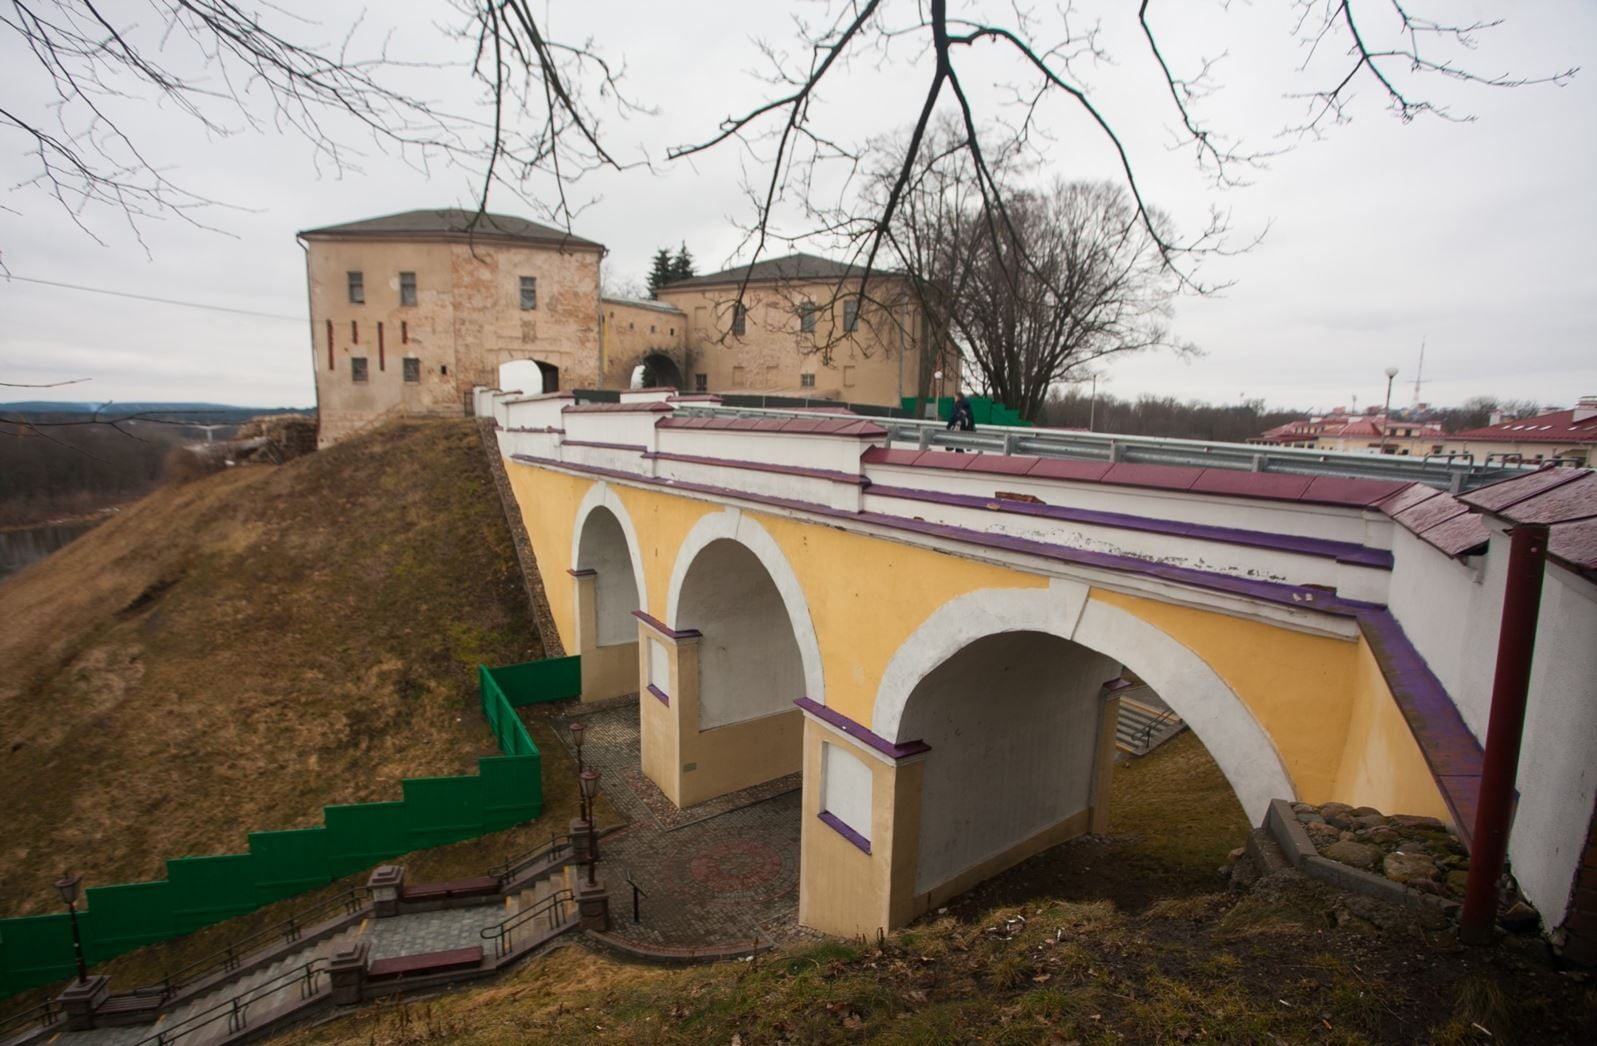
[{"x": 962, "y": 417}]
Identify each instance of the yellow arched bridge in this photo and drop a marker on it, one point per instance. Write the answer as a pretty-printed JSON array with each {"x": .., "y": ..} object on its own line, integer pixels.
[{"x": 936, "y": 640}]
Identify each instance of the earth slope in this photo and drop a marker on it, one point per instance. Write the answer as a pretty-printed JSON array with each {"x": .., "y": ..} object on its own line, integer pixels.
[{"x": 231, "y": 654}]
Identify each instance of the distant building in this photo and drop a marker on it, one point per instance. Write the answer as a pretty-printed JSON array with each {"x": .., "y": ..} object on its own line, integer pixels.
[
  {"x": 409, "y": 311},
  {"x": 801, "y": 329},
  {"x": 1567, "y": 435},
  {"x": 1358, "y": 433}
]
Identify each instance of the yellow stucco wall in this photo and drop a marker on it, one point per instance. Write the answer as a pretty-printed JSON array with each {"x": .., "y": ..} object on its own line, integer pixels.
[
  {"x": 1381, "y": 764},
  {"x": 1322, "y": 700}
]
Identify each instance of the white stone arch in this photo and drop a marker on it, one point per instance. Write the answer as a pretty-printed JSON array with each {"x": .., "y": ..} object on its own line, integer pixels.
[
  {"x": 601, "y": 495},
  {"x": 1239, "y": 745},
  {"x": 730, "y": 524}
]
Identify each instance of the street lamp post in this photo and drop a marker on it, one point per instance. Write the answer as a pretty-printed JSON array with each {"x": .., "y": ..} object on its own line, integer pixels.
[
  {"x": 590, "y": 788},
  {"x": 1386, "y": 411},
  {"x": 577, "y": 730},
  {"x": 67, "y": 887}
]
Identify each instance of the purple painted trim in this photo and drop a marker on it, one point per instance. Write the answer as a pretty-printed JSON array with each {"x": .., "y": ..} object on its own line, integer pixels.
[
  {"x": 665, "y": 629},
  {"x": 584, "y": 572},
  {"x": 836, "y": 824},
  {"x": 1298, "y": 596},
  {"x": 1117, "y": 683},
  {"x": 546, "y": 428},
  {"x": 862, "y": 734},
  {"x": 1341, "y": 551},
  {"x": 665, "y": 698},
  {"x": 1450, "y": 749},
  {"x": 637, "y": 448},
  {"x": 761, "y": 466}
]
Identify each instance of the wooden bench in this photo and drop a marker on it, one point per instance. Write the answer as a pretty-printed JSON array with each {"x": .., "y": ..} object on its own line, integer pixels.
[
  {"x": 129, "y": 1009},
  {"x": 483, "y": 885},
  {"x": 425, "y": 963}
]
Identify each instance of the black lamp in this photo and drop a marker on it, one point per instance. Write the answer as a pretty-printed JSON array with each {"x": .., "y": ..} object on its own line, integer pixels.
[{"x": 67, "y": 887}]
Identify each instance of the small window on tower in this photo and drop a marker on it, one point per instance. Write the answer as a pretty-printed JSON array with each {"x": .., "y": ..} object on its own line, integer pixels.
[
  {"x": 806, "y": 314},
  {"x": 357, "y": 288},
  {"x": 740, "y": 320},
  {"x": 407, "y": 288},
  {"x": 412, "y": 369},
  {"x": 807, "y": 381},
  {"x": 701, "y": 383},
  {"x": 357, "y": 369},
  {"x": 851, "y": 314},
  {"x": 529, "y": 293}
]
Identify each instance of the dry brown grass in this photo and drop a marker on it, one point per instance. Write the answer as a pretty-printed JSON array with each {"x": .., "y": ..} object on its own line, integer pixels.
[{"x": 234, "y": 653}]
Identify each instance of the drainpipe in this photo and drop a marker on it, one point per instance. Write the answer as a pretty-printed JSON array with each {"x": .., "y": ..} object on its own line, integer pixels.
[{"x": 1516, "y": 641}]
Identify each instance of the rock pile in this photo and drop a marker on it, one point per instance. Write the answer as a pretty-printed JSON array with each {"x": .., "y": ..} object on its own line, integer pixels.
[{"x": 1413, "y": 850}]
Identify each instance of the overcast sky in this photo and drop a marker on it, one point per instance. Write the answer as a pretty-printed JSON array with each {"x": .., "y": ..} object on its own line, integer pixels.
[{"x": 1473, "y": 237}]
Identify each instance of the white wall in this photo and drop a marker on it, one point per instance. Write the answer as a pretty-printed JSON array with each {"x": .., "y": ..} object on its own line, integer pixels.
[
  {"x": 1012, "y": 722},
  {"x": 603, "y": 548},
  {"x": 836, "y": 453},
  {"x": 749, "y": 663},
  {"x": 1452, "y": 613},
  {"x": 846, "y": 788}
]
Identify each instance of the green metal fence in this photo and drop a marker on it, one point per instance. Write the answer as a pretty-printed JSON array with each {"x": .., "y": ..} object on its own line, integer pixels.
[
  {"x": 199, "y": 891},
  {"x": 983, "y": 410}
]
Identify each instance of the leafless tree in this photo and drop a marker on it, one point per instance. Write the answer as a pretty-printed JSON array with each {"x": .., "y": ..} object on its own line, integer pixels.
[
  {"x": 1073, "y": 277},
  {"x": 234, "y": 67}
]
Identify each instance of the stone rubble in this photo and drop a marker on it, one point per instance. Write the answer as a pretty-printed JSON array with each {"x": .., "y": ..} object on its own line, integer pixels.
[{"x": 1411, "y": 849}]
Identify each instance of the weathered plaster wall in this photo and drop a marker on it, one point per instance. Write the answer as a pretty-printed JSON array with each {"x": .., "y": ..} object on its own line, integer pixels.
[
  {"x": 871, "y": 365},
  {"x": 632, "y": 332},
  {"x": 467, "y": 320}
]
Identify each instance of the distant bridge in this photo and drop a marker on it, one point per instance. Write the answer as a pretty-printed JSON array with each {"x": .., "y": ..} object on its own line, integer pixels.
[{"x": 935, "y": 638}]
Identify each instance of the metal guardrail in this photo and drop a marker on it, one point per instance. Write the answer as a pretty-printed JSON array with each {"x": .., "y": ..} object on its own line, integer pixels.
[
  {"x": 516, "y": 867},
  {"x": 551, "y": 909},
  {"x": 305, "y": 978},
  {"x": 229, "y": 958},
  {"x": 1450, "y": 472},
  {"x": 43, "y": 1014}
]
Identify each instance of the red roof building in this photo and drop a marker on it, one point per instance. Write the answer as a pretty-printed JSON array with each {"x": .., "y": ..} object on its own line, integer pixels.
[{"x": 1560, "y": 435}]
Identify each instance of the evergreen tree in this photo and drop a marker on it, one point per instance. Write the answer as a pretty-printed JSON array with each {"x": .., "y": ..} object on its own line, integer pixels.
[
  {"x": 661, "y": 272},
  {"x": 682, "y": 264}
]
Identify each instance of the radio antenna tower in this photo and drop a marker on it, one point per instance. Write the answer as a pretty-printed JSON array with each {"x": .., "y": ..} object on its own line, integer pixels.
[{"x": 1419, "y": 373}]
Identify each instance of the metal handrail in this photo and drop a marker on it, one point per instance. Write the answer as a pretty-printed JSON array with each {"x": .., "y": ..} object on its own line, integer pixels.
[
  {"x": 229, "y": 958},
  {"x": 1147, "y": 731},
  {"x": 1457, "y": 473},
  {"x": 235, "y": 1010},
  {"x": 551, "y": 906},
  {"x": 514, "y": 867},
  {"x": 43, "y": 1014}
]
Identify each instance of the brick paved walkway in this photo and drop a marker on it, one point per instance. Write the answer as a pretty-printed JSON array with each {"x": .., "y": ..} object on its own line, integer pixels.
[{"x": 719, "y": 873}]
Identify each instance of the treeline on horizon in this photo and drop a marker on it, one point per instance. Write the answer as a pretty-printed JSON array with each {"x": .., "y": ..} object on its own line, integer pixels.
[
  {"x": 60, "y": 464},
  {"x": 1168, "y": 417}
]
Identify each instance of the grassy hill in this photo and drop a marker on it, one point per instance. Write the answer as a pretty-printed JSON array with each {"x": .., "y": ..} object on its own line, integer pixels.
[
  {"x": 232, "y": 654},
  {"x": 1129, "y": 937}
]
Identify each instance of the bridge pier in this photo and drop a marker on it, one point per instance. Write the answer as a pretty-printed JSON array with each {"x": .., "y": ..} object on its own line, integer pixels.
[{"x": 608, "y": 669}]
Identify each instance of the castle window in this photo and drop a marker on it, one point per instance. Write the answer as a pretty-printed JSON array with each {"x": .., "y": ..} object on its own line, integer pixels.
[
  {"x": 529, "y": 293},
  {"x": 412, "y": 370},
  {"x": 701, "y": 383},
  {"x": 850, "y": 314},
  {"x": 357, "y": 369},
  {"x": 806, "y": 313},
  {"x": 357, "y": 288},
  {"x": 807, "y": 381},
  {"x": 740, "y": 320},
  {"x": 407, "y": 288}
]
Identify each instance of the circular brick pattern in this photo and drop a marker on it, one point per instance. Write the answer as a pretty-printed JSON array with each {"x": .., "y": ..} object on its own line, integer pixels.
[{"x": 736, "y": 864}]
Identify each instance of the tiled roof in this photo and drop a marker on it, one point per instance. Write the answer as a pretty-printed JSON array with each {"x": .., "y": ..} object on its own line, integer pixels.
[
  {"x": 1559, "y": 426},
  {"x": 1343, "y": 426},
  {"x": 452, "y": 223},
  {"x": 793, "y": 267},
  {"x": 821, "y": 426},
  {"x": 1564, "y": 499}
]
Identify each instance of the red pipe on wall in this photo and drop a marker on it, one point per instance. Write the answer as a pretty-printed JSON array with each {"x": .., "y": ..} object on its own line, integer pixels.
[{"x": 1516, "y": 642}]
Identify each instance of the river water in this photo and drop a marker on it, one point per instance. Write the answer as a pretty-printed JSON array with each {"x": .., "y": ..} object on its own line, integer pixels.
[{"x": 19, "y": 548}]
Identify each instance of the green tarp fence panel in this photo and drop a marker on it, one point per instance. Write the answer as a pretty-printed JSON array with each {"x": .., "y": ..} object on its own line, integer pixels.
[
  {"x": 199, "y": 891},
  {"x": 984, "y": 410}
]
